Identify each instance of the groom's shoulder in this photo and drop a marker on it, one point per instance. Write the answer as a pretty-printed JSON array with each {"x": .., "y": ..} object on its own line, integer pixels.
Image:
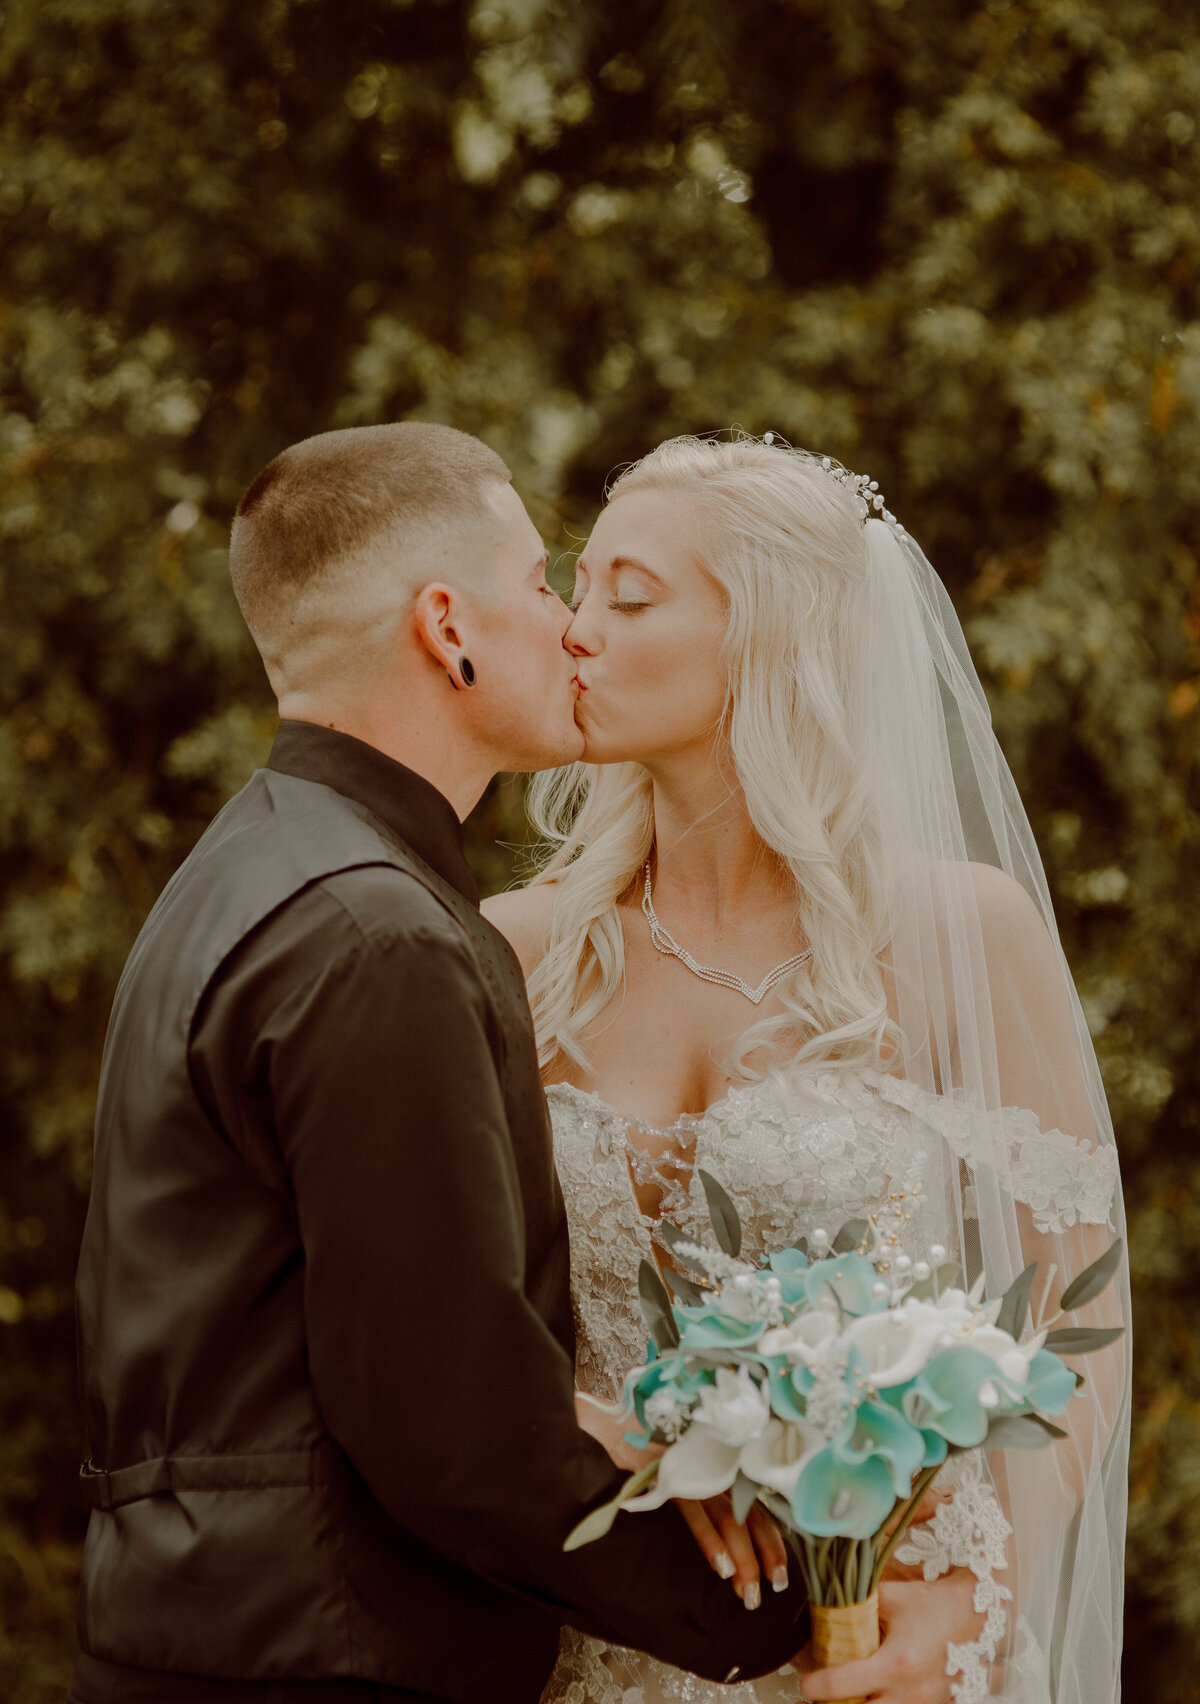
[{"x": 385, "y": 905}]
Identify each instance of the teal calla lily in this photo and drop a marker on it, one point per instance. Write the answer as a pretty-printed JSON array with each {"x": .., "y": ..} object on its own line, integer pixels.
[
  {"x": 835, "y": 1498},
  {"x": 936, "y": 1449},
  {"x": 875, "y": 1430},
  {"x": 707, "y": 1328},
  {"x": 850, "y": 1277},
  {"x": 787, "y": 1399},
  {"x": 1051, "y": 1383},
  {"x": 945, "y": 1398}
]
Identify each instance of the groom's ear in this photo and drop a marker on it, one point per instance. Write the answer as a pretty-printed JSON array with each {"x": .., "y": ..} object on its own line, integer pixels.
[{"x": 437, "y": 618}]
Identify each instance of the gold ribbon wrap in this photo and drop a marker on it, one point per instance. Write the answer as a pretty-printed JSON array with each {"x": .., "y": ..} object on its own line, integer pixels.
[{"x": 844, "y": 1632}]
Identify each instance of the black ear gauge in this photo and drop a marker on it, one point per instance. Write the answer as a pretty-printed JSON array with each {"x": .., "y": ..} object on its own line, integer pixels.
[{"x": 466, "y": 670}]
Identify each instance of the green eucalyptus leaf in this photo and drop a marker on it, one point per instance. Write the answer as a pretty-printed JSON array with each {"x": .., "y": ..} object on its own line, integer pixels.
[
  {"x": 727, "y": 1227},
  {"x": 849, "y": 1237},
  {"x": 1014, "y": 1309},
  {"x": 1047, "y": 1426},
  {"x": 1093, "y": 1279},
  {"x": 656, "y": 1308},
  {"x": 684, "y": 1289},
  {"x": 1081, "y": 1340},
  {"x": 1018, "y": 1432}
]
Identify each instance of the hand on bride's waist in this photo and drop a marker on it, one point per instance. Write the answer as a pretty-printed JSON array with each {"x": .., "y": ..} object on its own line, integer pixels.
[{"x": 750, "y": 1556}]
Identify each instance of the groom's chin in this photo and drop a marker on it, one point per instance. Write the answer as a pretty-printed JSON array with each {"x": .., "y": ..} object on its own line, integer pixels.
[{"x": 570, "y": 749}]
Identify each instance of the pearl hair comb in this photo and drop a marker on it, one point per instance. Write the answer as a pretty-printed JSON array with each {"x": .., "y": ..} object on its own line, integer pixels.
[{"x": 865, "y": 492}]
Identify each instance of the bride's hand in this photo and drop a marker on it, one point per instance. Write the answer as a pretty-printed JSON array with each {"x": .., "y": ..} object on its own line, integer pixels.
[
  {"x": 744, "y": 1555},
  {"x": 609, "y": 1430},
  {"x": 918, "y": 1620}
]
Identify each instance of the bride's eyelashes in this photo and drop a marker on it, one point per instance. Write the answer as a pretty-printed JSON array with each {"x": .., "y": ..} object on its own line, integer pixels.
[{"x": 625, "y": 605}]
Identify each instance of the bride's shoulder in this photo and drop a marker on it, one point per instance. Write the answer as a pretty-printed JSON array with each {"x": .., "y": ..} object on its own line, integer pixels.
[
  {"x": 1006, "y": 910},
  {"x": 1015, "y": 934},
  {"x": 523, "y": 916}
]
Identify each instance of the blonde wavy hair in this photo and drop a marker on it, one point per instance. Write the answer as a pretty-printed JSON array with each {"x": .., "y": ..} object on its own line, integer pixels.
[{"x": 784, "y": 542}]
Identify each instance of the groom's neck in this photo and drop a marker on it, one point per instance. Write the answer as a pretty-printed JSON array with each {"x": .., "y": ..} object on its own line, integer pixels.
[{"x": 431, "y": 747}]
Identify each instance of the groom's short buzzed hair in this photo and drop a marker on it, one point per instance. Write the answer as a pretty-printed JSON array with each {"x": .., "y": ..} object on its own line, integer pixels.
[{"x": 335, "y": 496}]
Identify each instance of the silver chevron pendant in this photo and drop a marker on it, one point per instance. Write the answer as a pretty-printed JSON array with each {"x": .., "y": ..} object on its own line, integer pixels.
[{"x": 666, "y": 943}]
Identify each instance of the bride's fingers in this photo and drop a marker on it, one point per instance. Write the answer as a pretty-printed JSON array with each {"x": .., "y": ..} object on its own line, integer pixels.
[
  {"x": 707, "y": 1537},
  {"x": 771, "y": 1546},
  {"x": 869, "y": 1677},
  {"x": 747, "y": 1582}
]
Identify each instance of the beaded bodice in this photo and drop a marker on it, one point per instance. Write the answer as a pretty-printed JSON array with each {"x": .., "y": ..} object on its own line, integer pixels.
[
  {"x": 793, "y": 1159},
  {"x": 797, "y": 1156}
]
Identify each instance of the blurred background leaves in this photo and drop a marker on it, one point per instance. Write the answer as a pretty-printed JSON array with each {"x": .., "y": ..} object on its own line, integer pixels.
[{"x": 954, "y": 242}]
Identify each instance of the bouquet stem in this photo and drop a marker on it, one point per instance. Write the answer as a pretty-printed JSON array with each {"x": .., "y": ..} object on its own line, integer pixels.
[{"x": 844, "y": 1632}]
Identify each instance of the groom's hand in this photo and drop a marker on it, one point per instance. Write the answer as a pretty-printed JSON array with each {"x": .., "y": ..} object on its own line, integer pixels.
[
  {"x": 740, "y": 1554},
  {"x": 744, "y": 1555}
]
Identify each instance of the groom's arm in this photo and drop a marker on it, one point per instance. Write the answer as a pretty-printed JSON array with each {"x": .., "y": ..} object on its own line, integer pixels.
[{"x": 443, "y": 1385}]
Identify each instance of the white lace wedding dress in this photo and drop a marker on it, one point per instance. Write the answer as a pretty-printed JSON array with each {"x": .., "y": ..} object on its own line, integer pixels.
[{"x": 794, "y": 1160}]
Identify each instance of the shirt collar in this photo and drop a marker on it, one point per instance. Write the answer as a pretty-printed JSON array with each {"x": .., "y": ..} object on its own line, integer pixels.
[{"x": 410, "y": 806}]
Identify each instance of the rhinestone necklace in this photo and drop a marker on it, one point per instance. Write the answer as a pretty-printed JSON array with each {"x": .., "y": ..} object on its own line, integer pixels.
[{"x": 666, "y": 943}]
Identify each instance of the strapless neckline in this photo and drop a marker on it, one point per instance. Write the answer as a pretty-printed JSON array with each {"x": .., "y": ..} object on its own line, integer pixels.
[{"x": 685, "y": 1121}]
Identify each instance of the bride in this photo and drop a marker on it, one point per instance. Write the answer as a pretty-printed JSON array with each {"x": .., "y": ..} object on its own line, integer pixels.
[{"x": 793, "y": 928}]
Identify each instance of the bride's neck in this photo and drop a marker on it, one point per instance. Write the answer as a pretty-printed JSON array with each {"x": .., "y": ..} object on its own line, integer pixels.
[{"x": 709, "y": 859}]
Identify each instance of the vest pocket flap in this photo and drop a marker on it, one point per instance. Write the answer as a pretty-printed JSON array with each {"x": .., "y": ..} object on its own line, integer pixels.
[{"x": 262, "y": 1470}]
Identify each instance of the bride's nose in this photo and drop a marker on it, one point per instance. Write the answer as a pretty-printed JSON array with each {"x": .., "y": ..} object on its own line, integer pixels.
[{"x": 578, "y": 641}]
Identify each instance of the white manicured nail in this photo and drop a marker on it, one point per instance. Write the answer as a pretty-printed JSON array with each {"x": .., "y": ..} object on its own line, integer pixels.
[
  {"x": 723, "y": 1563},
  {"x": 752, "y": 1596}
]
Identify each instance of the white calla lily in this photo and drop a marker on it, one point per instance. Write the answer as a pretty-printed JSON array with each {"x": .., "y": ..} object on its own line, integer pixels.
[
  {"x": 777, "y": 1456},
  {"x": 804, "y": 1339},
  {"x": 896, "y": 1345},
  {"x": 700, "y": 1465}
]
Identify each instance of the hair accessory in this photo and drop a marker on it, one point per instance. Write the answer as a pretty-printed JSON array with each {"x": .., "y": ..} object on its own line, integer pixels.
[{"x": 868, "y": 498}]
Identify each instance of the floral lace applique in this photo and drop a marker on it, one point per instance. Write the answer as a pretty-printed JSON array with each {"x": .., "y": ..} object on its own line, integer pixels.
[
  {"x": 971, "y": 1532},
  {"x": 1059, "y": 1177}
]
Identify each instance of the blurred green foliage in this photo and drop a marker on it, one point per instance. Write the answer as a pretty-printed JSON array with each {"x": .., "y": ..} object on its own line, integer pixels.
[{"x": 955, "y": 243}]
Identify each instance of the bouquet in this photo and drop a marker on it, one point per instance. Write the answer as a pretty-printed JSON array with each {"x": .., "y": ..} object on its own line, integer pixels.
[{"x": 830, "y": 1383}]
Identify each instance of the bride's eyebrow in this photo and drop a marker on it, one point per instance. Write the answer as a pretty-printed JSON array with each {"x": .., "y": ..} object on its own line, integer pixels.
[{"x": 619, "y": 562}]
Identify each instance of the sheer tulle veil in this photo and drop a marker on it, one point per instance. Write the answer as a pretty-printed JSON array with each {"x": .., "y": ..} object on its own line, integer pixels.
[
  {"x": 987, "y": 1028},
  {"x": 996, "y": 1025}
]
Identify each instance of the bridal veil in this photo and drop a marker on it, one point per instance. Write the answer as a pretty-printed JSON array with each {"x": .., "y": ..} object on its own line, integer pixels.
[{"x": 1026, "y": 1167}]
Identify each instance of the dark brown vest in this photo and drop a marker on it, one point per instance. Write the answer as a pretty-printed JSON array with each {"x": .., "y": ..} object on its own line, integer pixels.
[{"x": 230, "y": 1536}]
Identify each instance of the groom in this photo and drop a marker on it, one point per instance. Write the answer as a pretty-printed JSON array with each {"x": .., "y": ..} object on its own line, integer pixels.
[{"x": 324, "y": 1318}]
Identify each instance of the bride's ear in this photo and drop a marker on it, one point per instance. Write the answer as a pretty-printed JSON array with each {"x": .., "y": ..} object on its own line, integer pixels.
[{"x": 438, "y": 625}]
